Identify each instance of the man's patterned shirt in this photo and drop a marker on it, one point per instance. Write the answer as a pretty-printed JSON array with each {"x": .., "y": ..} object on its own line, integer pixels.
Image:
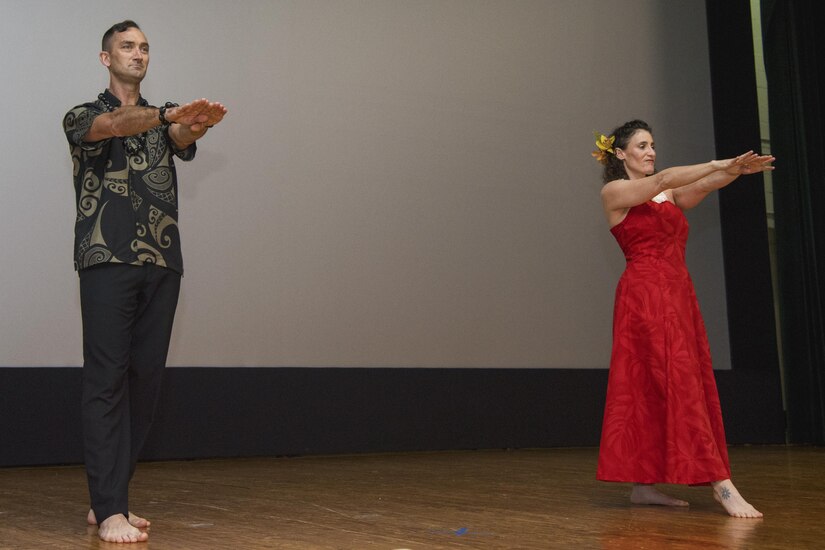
[{"x": 127, "y": 204}]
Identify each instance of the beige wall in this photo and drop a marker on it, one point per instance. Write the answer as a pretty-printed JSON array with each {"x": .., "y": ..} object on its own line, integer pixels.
[{"x": 397, "y": 183}]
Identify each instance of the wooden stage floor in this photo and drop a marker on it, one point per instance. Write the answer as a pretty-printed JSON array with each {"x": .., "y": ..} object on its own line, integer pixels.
[{"x": 525, "y": 499}]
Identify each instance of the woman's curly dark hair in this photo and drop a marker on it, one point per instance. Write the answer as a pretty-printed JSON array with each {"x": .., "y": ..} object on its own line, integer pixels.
[{"x": 614, "y": 169}]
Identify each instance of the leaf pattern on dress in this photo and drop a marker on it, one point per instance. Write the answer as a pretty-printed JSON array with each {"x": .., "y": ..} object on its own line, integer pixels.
[{"x": 662, "y": 418}]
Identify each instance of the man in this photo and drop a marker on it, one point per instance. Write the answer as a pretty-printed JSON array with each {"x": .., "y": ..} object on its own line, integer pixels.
[{"x": 127, "y": 254}]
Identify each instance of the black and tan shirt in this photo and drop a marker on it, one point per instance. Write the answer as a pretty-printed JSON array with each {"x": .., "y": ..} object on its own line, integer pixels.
[{"x": 126, "y": 191}]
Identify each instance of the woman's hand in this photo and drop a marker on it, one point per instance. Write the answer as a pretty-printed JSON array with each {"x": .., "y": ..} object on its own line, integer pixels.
[
  {"x": 759, "y": 163},
  {"x": 747, "y": 163}
]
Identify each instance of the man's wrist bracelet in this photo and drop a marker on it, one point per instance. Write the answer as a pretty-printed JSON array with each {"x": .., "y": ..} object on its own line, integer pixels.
[{"x": 162, "y": 113}]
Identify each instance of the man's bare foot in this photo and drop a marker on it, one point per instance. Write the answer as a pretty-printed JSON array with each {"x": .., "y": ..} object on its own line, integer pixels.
[
  {"x": 134, "y": 519},
  {"x": 648, "y": 494},
  {"x": 118, "y": 529},
  {"x": 726, "y": 494}
]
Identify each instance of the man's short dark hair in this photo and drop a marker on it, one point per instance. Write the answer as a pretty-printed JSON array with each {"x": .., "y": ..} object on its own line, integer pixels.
[{"x": 116, "y": 28}]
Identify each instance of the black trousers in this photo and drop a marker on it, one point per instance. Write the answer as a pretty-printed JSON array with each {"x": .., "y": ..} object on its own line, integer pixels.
[{"x": 127, "y": 325}]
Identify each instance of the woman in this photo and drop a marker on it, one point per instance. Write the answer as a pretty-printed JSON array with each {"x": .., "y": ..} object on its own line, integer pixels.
[{"x": 662, "y": 419}]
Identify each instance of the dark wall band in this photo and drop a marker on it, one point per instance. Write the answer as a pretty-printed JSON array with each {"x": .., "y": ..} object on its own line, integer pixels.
[{"x": 232, "y": 412}]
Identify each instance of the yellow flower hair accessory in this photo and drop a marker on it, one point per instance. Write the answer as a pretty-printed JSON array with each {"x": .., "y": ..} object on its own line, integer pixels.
[{"x": 605, "y": 146}]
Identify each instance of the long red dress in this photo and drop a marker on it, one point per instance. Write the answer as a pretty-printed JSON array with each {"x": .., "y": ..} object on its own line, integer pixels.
[{"x": 662, "y": 418}]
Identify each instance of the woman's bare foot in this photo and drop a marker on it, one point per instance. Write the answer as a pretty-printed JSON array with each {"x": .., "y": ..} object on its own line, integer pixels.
[
  {"x": 134, "y": 519},
  {"x": 726, "y": 494},
  {"x": 118, "y": 529},
  {"x": 648, "y": 494}
]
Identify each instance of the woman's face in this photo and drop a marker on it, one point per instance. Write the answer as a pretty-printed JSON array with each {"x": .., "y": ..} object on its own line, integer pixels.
[{"x": 639, "y": 155}]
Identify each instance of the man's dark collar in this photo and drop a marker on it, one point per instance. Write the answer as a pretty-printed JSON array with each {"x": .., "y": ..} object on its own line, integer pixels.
[{"x": 112, "y": 99}]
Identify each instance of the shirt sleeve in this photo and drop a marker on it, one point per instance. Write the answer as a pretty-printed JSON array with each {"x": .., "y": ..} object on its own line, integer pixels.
[
  {"x": 76, "y": 125},
  {"x": 183, "y": 154}
]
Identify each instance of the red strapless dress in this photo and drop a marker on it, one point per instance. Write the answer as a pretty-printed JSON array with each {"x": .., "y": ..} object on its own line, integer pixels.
[{"x": 662, "y": 418}]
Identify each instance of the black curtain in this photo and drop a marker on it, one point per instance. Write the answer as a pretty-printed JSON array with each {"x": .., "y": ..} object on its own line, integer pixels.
[
  {"x": 795, "y": 66},
  {"x": 751, "y": 391}
]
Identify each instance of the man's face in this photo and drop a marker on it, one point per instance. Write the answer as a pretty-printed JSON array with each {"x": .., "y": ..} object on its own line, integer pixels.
[{"x": 128, "y": 56}]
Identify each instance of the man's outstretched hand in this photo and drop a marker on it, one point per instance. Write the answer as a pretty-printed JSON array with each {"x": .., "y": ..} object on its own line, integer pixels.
[{"x": 197, "y": 115}]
